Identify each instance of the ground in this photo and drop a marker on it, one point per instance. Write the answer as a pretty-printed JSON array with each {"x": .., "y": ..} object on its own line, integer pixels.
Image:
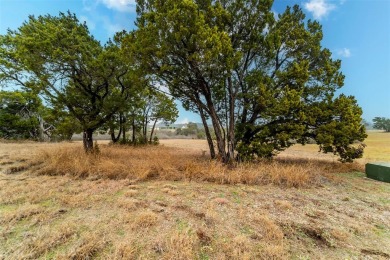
[{"x": 327, "y": 211}]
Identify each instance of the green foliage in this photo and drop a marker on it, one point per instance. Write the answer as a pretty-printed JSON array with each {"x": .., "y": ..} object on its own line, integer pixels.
[
  {"x": 191, "y": 129},
  {"x": 264, "y": 83},
  {"x": 382, "y": 123},
  {"x": 59, "y": 58},
  {"x": 19, "y": 115},
  {"x": 163, "y": 108},
  {"x": 155, "y": 141},
  {"x": 62, "y": 125}
]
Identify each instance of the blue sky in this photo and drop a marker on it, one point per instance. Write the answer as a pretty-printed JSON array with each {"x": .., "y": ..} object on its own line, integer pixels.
[{"x": 356, "y": 31}]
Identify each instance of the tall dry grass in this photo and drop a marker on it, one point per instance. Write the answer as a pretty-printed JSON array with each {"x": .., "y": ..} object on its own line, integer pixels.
[{"x": 164, "y": 163}]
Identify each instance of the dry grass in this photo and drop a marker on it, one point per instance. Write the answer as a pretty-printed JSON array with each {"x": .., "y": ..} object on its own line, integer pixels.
[
  {"x": 378, "y": 149},
  {"x": 58, "y": 217},
  {"x": 166, "y": 163},
  {"x": 176, "y": 204},
  {"x": 378, "y": 146}
]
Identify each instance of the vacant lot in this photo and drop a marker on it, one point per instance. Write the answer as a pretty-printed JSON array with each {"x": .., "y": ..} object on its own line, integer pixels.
[{"x": 171, "y": 202}]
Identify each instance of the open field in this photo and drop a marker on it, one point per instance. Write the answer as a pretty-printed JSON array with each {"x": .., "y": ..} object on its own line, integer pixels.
[
  {"x": 378, "y": 148},
  {"x": 171, "y": 202}
]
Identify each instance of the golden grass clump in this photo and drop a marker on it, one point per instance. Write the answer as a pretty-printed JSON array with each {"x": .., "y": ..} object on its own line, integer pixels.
[
  {"x": 269, "y": 229},
  {"x": 180, "y": 245},
  {"x": 165, "y": 163},
  {"x": 283, "y": 204},
  {"x": 145, "y": 219}
]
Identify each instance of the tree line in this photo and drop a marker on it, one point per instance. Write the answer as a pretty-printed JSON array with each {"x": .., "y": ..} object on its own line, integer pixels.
[{"x": 263, "y": 82}]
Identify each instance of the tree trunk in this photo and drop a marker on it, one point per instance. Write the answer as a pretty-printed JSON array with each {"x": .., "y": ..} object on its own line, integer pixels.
[
  {"x": 230, "y": 134},
  {"x": 41, "y": 129},
  {"x": 217, "y": 129},
  {"x": 112, "y": 131},
  {"x": 133, "y": 134},
  {"x": 88, "y": 140},
  {"x": 145, "y": 130},
  {"x": 123, "y": 124},
  {"x": 114, "y": 138},
  {"x": 151, "y": 133},
  {"x": 208, "y": 134}
]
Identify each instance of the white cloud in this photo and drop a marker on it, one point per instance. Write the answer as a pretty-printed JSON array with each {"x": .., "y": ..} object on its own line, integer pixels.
[
  {"x": 184, "y": 121},
  {"x": 110, "y": 26},
  {"x": 120, "y": 5},
  {"x": 319, "y": 8},
  {"x": 345, "y": 52},
  {"x": 89, "y": 5}
]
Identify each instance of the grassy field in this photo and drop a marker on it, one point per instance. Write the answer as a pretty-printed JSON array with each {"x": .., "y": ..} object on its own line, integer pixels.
[{"x": 171, "y": 202}]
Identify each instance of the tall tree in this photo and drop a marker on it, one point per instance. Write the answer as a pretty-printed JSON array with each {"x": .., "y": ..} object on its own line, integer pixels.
[
  {"x": 264, "y": 83},
  {"x": 57, "y": 56},
  {"x": 180, "y": 42}
]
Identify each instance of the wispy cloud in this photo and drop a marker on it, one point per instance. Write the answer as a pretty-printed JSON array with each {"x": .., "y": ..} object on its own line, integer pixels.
[
  {"x": 110, "y": 26},
  {"x": 120, "y": 5},
  {"x": 345, "y": 52},
  {"x": 319, "y": 8},
  {"x": 90, "y": 5},
  {"x": 123, "y": 6}
]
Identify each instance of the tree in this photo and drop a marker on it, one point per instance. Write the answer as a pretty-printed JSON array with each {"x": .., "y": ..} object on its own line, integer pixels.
[
  {"x": 264, "y": 83},
  {"x": 179, "y": 42},
  {"x": 382, "y": 123},
  {"x": 191, "y": 129},
  {"x": 61, "y": 124},
  {"x": 145, "y": 107},
  {"x": 19, "y": 115},
  {"x": 160, "y": 107},
  {"x": 58, "y": 57}
]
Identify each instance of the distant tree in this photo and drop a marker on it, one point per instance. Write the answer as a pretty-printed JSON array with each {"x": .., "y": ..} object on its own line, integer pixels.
[
  {"x": 61, "y": 124},
  {"x": 382, "y": 123},
  {"x": 161, "y": 108},
  {"x": 190, "y": 129},
  {"x": 59, "y": 58}
]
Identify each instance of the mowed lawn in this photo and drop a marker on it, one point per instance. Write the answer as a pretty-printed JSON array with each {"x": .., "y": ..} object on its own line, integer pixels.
[{"x": 171, "y": 202}]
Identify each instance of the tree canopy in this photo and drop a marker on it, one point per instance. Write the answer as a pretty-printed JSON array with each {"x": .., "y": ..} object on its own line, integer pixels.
[
  {"x": 59, "y": 58},
  {"x": 264, "y": 82}
]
